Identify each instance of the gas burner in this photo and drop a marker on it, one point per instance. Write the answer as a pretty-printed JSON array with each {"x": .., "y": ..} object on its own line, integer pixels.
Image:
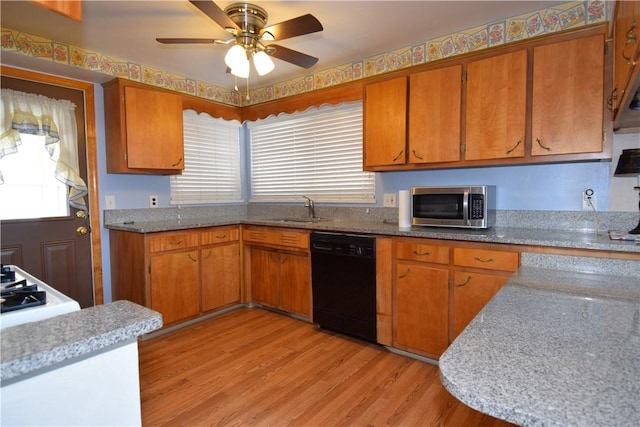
[{"x": 7, "y": 275}]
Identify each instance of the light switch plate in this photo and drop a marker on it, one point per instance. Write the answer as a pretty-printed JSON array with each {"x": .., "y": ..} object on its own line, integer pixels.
[{"x": 110, "y": 202}]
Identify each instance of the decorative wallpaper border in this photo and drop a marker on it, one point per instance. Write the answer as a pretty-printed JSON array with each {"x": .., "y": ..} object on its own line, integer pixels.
[{"x": 561, "y": 17}]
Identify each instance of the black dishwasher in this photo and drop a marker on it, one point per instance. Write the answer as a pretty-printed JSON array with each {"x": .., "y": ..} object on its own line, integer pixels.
[{"x": 343, "y": 279}]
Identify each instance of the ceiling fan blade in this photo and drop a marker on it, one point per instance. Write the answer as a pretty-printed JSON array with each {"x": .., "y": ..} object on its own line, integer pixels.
[
  {"x": 185, "y": 41},
  {"x": 293, "y": 56},
  {"x": 214, "y": 12},
  {"x": 299, "y": 26}
]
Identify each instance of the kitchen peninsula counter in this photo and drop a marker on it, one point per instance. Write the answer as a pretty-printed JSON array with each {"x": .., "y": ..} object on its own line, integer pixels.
[
  {"x": 505, "y": 235},
  {"x": 552, "y": 348}
]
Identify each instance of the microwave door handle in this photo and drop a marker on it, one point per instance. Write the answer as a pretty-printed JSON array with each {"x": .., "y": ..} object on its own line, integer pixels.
[{"x": 465, "y": 207}]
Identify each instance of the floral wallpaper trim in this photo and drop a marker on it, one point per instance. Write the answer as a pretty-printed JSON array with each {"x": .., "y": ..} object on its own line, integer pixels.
[{"x": 560, "y": 17}]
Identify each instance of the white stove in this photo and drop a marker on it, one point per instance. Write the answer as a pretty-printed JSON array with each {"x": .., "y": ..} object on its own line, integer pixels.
[{"x": 27, "y": 299}]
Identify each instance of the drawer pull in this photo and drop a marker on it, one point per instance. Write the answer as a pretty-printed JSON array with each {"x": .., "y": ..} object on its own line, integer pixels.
[
  {"x": 179, "y": 242},
  {"x": 483, "y": 260},
  {"x": 406, "y": 273},
  {"x": 192, "y": 258},
  {"x": 422, "y": 253},
  {"x": 224, "y": 236},
  {"x": 466, "y": 282}
]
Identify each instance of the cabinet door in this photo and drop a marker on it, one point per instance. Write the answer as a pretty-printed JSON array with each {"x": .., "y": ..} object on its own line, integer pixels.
[
  {"x": 385, "y": 123},
  {"x": 434, "y": 115},
  {"x": 626, "y": 46},
  {"x": 154, "y": 129},
  {"x": 265, "y": 276},
  {"x": 496, "y": 107},
  {"x": 295, "y": 272},
  {"x": 471, "y": 292},
  {"x": 568, "y": 97},
  {"x": 175, "y": 288},
  {"x": 220, "y": 276},
  {"x": 421, "y": 308}
]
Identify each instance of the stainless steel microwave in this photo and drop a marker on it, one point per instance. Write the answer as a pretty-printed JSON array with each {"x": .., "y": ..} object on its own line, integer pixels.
[{"x": 455, "y": 206}]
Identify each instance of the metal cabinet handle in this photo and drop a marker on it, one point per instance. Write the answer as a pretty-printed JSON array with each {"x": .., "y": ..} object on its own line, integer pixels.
[
  {"x": 483, "y": 260},
  {"x": 422, "y": 254},
  {"x": 192, "y": 258},
  {"x": 466, "y": 282},
  {"x": 179, "y": 242},
  {"x": 515, "y": 146},
  {"x": 398, "y": 156},
  {"x": 406, "y": 273},
  {"x": 221, "y": 237},
  {"x": 177, "y": 163},
  {"x": 208, "y": 254},
  {"x": 542, "y": 145},
  {"x": 416, "y": 155},
  {"x": 631, "y": 38}
]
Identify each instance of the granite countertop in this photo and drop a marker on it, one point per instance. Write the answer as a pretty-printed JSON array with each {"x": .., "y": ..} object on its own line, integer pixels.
[
  {"x": 505, "y": 235},
  {"x": 552, "y": 348},
  {"x": 38, "y": 345}
]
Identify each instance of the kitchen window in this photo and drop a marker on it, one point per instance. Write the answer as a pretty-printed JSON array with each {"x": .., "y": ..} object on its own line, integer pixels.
[
  {"x": 211, "y": 161},
  {"x": 317, "y": 153}
]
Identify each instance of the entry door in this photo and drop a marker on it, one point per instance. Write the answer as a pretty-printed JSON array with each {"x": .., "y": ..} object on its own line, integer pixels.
[{"x": 52, "y": 249}]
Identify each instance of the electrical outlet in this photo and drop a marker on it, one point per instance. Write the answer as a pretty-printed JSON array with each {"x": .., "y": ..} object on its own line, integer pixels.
[
  {"x": 389, "y": 200},
  {"x": 110, "y": 202},
  {"x": 153, "y": 201},
  {"x": 589, "y": 200}
]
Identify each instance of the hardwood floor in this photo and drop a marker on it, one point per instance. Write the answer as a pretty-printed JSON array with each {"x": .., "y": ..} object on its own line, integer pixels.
[{"x": 252, "y": 367}]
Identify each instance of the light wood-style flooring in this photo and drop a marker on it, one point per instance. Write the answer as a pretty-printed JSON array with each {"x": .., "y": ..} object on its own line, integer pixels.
[{"x": 252, "y": 367}]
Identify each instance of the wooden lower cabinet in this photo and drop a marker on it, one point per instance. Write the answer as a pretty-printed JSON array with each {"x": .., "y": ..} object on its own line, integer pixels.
[
  {"x": 471, "y": 292},
  {"x": 279, "y": 269},
  {"x": 174, "y": 279},
  {"x": 422, "y": 308},
  {"x": 440, "y": 286},
  {"x": 220, "y": 275},
  {"x": 181, "y": 274}
]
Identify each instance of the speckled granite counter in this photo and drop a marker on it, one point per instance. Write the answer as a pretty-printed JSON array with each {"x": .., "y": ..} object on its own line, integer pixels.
[
  {"x": 553, "y": 348},
  {"x": 506, "y": 235},
  {"x": 30, "y": 347}
]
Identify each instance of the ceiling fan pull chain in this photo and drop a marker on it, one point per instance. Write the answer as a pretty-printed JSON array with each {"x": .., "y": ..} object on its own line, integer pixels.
[{"x": 248, "y": 97}]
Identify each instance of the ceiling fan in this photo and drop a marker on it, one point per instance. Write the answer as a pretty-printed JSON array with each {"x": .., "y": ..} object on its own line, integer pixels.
[{"x": 246, "y": 22}]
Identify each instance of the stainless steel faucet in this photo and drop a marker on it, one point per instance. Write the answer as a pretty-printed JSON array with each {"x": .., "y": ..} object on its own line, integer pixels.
[{"x": 309, "y": 204}]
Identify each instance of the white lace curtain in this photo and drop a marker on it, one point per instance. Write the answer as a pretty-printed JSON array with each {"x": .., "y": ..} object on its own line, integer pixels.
[{"x": 54, "y": 119}]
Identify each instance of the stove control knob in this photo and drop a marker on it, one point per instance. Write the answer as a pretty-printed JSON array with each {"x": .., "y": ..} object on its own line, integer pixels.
[{"x": 82, "y": 230}]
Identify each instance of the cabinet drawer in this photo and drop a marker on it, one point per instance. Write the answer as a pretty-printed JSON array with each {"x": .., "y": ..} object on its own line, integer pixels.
[
  {"x": 422, "y": 252},
  {"x": 485, "y": 258},
  {"x": 287, "y": 238},
  {"x": 219, "y": 235},
  {"x": 172, "y": 242}
]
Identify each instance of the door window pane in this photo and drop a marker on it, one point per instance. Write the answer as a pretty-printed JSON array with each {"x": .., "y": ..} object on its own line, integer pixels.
[{"x": 30, "y": 188}]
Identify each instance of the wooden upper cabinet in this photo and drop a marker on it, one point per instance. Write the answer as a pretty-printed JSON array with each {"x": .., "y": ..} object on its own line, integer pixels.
[
  {"x": 626, "y": 46},
  {"x": 568, "y": 95},
  {"x": 496, "y": 105},
  {"x": 143, "y": 129},
  {"x": 434, "y": 115},
  {"x": 385, "y": 123}
]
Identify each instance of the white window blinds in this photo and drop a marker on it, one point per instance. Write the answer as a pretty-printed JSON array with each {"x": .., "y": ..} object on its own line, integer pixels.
[
  {"x": 316, "y": 153},
  {"x": 211, "y": 161}
]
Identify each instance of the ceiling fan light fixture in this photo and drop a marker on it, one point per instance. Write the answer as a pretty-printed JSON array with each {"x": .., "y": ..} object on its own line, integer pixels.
[
  {"x": 235, "y": 56},
  {"x": 241, "y": 68},
  {"x": 263, "y": 63}
]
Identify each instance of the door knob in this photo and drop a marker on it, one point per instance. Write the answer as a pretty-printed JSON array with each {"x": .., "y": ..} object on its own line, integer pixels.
[
  {"x": 81, "y": 214},
  {"x": 82, "y": 230}
]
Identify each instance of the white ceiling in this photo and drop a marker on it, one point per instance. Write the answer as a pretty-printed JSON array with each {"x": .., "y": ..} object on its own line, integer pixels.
[{"x": 353, "y": 30}]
